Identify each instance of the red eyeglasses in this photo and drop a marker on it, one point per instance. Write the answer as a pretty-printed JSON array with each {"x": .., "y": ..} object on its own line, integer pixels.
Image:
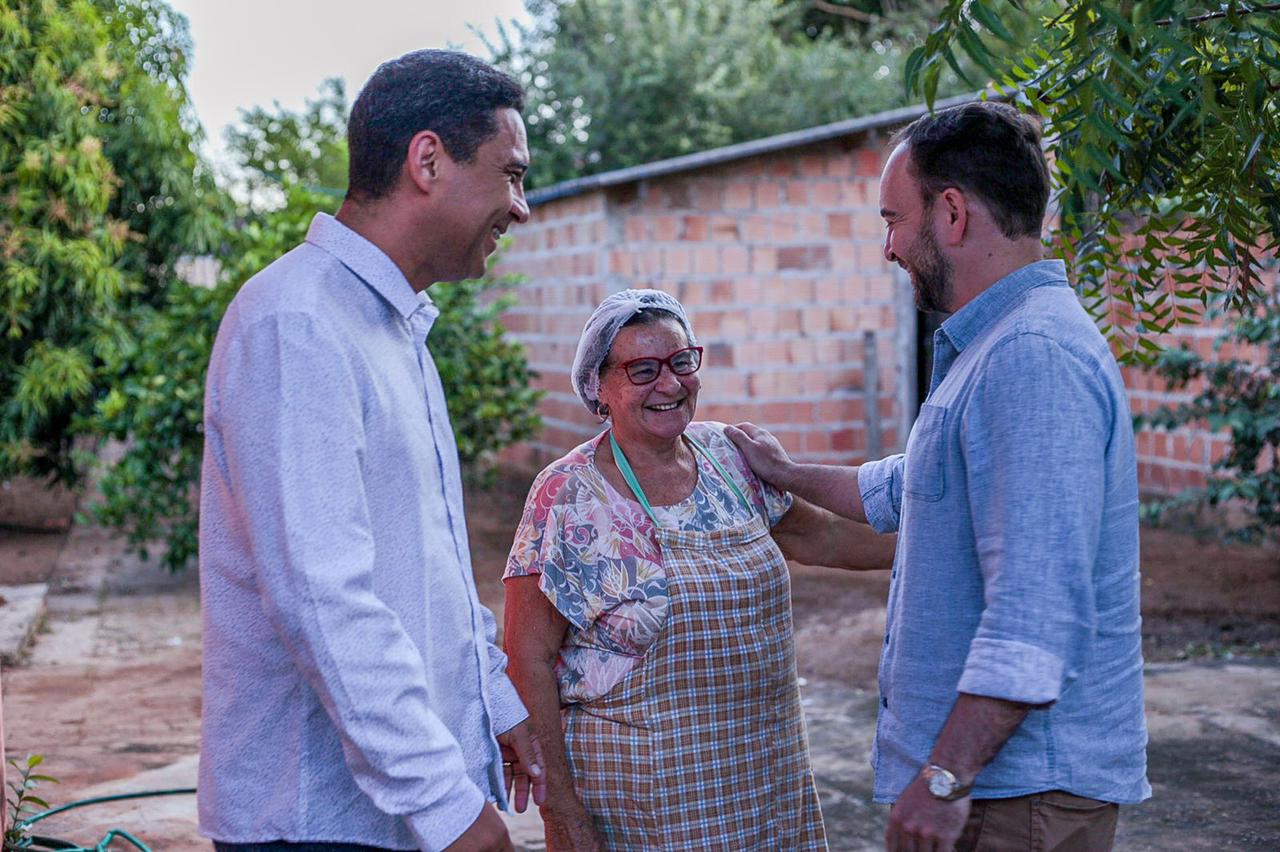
[{"x": 682, "y": 362}]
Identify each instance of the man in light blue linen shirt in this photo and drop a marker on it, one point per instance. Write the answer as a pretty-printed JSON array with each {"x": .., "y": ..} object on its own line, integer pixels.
[
  {"x": 353, "y": 696},
  {"x": 1011, "y": 712}
]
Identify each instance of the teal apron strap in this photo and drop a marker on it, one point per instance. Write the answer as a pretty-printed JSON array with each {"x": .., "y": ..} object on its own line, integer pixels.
[
  {"x": 629, "y": 475},
  {"x": 724, "y": 473}
]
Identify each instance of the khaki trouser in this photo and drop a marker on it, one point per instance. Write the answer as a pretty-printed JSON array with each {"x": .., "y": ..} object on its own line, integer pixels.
[{"x": 1042, "y": 822}]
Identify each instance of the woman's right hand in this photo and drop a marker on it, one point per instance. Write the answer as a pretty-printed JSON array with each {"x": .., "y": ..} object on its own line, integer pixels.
[{"x": 571, "y": 832}]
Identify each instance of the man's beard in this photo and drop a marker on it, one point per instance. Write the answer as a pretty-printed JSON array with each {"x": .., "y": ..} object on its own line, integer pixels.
[{"x": 931, "y": 274}]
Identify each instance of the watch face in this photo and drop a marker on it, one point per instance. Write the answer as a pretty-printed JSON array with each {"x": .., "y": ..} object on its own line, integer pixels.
[{"x": 940, "y": 785}]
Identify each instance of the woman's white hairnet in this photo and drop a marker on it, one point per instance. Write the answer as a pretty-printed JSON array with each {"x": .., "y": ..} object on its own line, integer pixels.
[{"x": 598, "y": 334}]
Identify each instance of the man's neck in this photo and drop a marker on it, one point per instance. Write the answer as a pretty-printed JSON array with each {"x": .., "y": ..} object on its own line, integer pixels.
[
  {"x": 379, "y": 224},
  {"x": 975, "y": 275}
]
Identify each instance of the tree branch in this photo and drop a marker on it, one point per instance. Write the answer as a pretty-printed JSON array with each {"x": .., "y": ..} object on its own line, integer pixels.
[
  {"x": 845, "y": 12},
  {"x": 1209, "y": 16}
]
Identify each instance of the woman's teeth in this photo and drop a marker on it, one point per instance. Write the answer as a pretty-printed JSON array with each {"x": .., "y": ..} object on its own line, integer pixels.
[{"x": 669, "y": 406}]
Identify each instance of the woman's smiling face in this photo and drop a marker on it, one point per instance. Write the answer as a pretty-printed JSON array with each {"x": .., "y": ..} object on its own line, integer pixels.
[{"x": 657, "y": 412}]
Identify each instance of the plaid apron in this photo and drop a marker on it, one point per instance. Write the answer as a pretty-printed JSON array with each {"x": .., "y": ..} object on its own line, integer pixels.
[{"x": 702, "y": 746}]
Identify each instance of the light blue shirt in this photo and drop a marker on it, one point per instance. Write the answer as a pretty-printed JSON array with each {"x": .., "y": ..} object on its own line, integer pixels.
[
  {"x": 352, "y": 690},
  {"x": 1016, "y": 576}
]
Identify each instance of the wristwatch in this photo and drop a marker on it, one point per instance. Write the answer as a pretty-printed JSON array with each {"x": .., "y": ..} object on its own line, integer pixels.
[{"x": 942, "y": 784}]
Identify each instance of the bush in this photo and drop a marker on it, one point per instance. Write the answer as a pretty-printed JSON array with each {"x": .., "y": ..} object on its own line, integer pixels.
[
  {"x": 100, "y": 193},
  {"x": 1243, "y": 398}
]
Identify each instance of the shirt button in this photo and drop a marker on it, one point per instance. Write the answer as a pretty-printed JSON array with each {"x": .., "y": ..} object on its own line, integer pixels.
[
  {"x": 884, "y": 702},
  {"x": 886, "y": 638}
]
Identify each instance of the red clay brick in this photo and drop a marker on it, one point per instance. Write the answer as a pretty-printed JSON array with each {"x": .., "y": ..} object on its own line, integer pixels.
[
  {"x": 839, "y": 225},
  {"x": 739, "y": 196},
  {"x": 812, "y": 165},
  {"x": 846, "y": 440},
  {"x": 867, "y": 162},
  {"x": 826, "y": 194},
  {"x": 818, "y": 441},
  {"x": 757, "y": 227},
  {"x": 804, "y": 257},
  {"x": 706, "y": 260},
  {"x": 694, "y": 228},
  {"x": 735, "y": 260},
  {"x": 762, "y": 260},
  {"x": 665, "y": 228},
  {"x": 840, "y": 165},
  {"x": 725, "y": 228},
  {"x": 761, "y": 321},
  {"x": 708, "y": 196},
  {"x": 768, "y": 195}
]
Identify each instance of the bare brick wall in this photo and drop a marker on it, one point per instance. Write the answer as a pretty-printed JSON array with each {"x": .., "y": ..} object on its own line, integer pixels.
[{"x": 778, "y": 259}]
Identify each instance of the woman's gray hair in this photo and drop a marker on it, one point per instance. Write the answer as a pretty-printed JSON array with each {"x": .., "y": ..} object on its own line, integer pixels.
[{"x": 603, "y": 326}]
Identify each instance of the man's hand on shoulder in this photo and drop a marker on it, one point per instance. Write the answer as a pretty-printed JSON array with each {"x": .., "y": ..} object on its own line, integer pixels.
[
  {"x": 763, "y": 452},
  {"x": 487, "y": 834},
  {"x": 833, "y": 487},
  {"x": 920, "y": 821}
]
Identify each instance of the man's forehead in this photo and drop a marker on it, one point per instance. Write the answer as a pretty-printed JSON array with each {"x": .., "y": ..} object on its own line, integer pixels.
[
  {"x": 896, "y": 177},
  {"x": 511, "y": 140}
]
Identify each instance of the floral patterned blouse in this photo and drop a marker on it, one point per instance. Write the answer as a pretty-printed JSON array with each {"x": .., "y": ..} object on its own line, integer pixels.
[{"x": 597, "y": 554}]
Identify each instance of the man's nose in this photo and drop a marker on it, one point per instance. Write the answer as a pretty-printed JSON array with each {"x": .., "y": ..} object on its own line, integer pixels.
[
  {"x": 888, "y": 252},
  {"x": 520, "y": 207}
]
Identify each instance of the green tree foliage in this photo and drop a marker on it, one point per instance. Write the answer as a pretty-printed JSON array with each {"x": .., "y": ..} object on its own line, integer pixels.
[
  {"x": 861, "y": 20},
  {"x": 278, "y": 148},
  {"x": 1165, "y": 127},
  {"x": 99, "y": 196},
  {"x": 295, "y": 165},
  {"x": 1164, "y": 121},
  {"x": 614, "y": 83},
  {"x": 1242, "y": 397},
  {"x": 150, "y": 131}
]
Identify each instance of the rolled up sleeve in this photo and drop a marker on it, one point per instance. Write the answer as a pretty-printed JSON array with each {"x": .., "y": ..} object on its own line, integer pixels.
[
  {"x": 293, "y": 450},
  {"x": 880, "y": 486},
  {"x": 1036, "y": 482},
  {"x": 506, "y": 708}
]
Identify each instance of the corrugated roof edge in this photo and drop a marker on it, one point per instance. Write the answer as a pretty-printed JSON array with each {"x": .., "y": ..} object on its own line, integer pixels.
[{"x": 741, "y": 150}]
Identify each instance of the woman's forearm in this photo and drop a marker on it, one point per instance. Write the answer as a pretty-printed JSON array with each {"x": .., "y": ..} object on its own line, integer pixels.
[
  {"x": 535, "y": 681},
  {"x": 815, "y": 536}
]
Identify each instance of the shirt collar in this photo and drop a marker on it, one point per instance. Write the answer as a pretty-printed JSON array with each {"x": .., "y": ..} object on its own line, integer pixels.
[
  {"x": 966, "y": 324},
  {"x": 368, "y": 263}
]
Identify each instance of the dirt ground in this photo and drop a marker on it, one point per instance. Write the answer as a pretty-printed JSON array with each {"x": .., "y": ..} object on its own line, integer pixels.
[
  {"x": 110, "y": 692},
  {"x": 1200, "y": 599}
]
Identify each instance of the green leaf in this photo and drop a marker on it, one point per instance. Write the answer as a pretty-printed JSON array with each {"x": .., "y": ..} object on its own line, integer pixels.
[
  {"x": 991, "y": 21},
  {"x": 975, "y": 49},
  {"x": 931, "y": 84}
]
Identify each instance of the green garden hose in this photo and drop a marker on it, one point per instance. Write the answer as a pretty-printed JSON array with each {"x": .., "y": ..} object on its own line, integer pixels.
[{"x": 38, "y": 842}]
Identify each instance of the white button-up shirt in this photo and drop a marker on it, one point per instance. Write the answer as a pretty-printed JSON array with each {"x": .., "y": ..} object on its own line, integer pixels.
[{"x": 352, "y": 690}]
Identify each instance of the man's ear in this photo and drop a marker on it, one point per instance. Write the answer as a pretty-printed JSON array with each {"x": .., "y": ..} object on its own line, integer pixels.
[
  {"x": 425, "y": 159},
  {"x": 953, "y": 211}
]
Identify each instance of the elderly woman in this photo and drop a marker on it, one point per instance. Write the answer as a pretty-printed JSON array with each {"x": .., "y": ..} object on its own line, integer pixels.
[{"x": 648, "y": 611}]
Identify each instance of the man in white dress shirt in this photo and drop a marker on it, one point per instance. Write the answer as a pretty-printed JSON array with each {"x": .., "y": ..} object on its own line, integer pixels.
[{"x": 353, "y": 695}]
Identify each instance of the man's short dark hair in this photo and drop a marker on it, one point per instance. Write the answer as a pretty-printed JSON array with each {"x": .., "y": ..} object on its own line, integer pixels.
[
  {"x": 989, "y": 150},
  {"x": 450, "y": 93}
]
